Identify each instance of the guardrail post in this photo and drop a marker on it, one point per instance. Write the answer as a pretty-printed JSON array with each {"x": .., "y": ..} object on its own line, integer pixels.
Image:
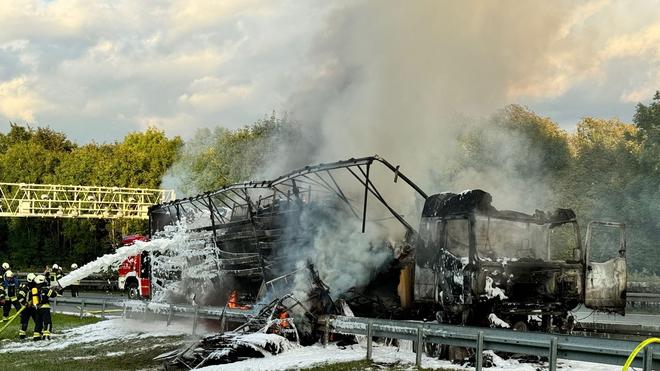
[
  {"x": 420, "y": 347},
  {"x": 170, "y": 314},
  {"x": 326, "y": 332},
  {"x": 552, "y": 358},
  {"x": 54, "y": 304},
  {"x": 370, "y": 332},
  {"x": 222, "y": 323},
  {"x": 103, "y": 308},
  {"x": 82, "y": 308},
  {"x": 648, "y": 358},
  {"x": 479, "y": 352},
  {"x": 194, "y": 329},
  {"x": 123, "y": 314}
]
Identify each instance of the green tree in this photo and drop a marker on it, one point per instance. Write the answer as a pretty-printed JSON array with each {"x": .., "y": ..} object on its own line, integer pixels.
[
  {"x": 42, "y": 155},
  {"x": 215, "y": 158}
]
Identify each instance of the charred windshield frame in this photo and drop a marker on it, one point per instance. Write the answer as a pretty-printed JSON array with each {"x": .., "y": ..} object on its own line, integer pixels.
[
  {"x": 537, "y": 237},
  {"x": 442, "y": 234}
]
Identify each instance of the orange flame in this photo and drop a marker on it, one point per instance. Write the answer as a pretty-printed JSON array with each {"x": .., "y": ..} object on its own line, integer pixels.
[
  {"x": 232, "y": 302},
  {"x": 284, "y": 316}
]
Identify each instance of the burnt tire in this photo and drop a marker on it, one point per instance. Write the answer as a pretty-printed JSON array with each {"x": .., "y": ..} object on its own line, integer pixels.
[{"x": 133, "y": 291}]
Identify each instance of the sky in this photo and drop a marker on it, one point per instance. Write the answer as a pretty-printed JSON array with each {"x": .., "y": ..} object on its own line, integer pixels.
[{"x": 97, "y": 70}]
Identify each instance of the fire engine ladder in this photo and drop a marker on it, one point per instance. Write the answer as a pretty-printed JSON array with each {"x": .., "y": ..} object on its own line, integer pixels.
[{"x": 72, "y": 201}]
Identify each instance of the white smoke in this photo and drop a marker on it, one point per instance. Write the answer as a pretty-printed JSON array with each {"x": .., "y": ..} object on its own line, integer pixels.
[
  {"x": 409, "y": 81},
  {"x": 406, "y": 81},
  {"x": 343, "y": 256}
]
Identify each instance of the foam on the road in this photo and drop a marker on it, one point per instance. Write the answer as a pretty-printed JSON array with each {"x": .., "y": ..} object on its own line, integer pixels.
[
  {"x": 110, "y": 330},
  {"x": 318, "y": 355}
]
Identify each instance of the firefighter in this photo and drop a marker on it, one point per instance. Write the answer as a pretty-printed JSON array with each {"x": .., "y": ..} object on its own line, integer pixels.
[
  {"x": 46, "y": 273},
  {"x": 44, "y": 322},
  {"x": 75, "y": 285},
  {"x": 41, "y": 295},
  {"x": 2, "y": 299},
  {"x": 52, "y": 275},
  {"x": 4, "y": 268},
  {"x": 10, "y": 284},
  {"x": 24, "y": 298}
]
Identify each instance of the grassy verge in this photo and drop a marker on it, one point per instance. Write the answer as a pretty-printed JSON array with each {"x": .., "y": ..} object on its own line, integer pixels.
[
  {"x": 136, "y": 354},
  {"x": 60, "y": 322},
  {"x": 115, "y": 354}
]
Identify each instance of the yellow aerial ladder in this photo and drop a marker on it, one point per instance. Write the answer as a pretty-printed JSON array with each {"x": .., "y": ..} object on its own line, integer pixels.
[{"x": 72, "y": 201}]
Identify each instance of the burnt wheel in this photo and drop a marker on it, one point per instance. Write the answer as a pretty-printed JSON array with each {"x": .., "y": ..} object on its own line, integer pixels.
[
  {"x": 133, "y": 291},
  {"x": 520, "y": 326}
]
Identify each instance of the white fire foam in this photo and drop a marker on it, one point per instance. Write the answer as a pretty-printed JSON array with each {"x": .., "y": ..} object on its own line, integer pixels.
[{"x": 172, "y": 239}]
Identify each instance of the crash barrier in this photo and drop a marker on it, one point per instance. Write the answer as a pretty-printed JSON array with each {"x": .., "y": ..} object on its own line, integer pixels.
[
  {"x": 142, "y": 309},
  {"x": 643, "y": 300},
  {"x": 552, "y": 346},
  {"x": 579, "y": 348},
  {"x": 89, "y": 306},
  {"x": 88, "y": 284},
  {"x": 616, "y": 331}
]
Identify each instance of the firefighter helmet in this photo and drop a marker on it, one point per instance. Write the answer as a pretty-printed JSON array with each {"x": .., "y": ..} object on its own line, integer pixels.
[
  {"x": 5, "y": 266},
  {"x": 9, "y": 274},
  {"x": 39, "y": 279},
  {"x": 74, "y": 266},
  {"x": 30, "y": 277},
  {"x": 56, "y": 267}
]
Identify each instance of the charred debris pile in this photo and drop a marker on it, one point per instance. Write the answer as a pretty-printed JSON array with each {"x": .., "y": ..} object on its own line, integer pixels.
[{"x": 466, "y": 263}]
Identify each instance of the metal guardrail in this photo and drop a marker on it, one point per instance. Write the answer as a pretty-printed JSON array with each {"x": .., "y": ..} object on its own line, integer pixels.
[
  {"x": 587, "y": 349},
  {"x": 128, "y": 308},
  {"x": 88, "y": 283},
  {"x": 617, "y": 331},
  {"x": 552, "y": 346},
  {"x": 643, "y": 300}
]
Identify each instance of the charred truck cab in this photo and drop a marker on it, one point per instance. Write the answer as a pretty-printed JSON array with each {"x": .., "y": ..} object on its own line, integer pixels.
[{"x": 481, "y": 266}]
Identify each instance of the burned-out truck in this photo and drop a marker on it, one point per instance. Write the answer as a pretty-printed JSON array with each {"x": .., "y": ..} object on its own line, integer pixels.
[
  {"x": 482, "y": 266},
  {"x": 466, "y": 262}
]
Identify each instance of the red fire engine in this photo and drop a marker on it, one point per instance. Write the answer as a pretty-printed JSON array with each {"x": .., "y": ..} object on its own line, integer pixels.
[{"x": 134, "y": 272}]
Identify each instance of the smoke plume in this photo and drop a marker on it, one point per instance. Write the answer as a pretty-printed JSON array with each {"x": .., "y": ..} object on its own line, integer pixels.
[
  {"x": 406, "y": 80},
  {"x": 411, "y": 81}
]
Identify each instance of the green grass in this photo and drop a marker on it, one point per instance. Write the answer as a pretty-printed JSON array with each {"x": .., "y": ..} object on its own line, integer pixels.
[
  {"x": 136, "y": 354},
  {"x": 343, "y": 366},
  {"x": 60, "y": 322}
]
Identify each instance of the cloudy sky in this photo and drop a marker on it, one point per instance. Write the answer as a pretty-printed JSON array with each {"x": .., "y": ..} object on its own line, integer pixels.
[{"x": 97, "y": 70}]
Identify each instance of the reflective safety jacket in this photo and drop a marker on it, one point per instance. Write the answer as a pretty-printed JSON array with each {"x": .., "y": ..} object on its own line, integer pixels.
[
  {"x": 45, "y": 294},
  {"x": 2, "y": 293},
  {"x": 52, "y": 277},
  {"x": 23, "y": 294},
  {"x": 11, "y": 288}
]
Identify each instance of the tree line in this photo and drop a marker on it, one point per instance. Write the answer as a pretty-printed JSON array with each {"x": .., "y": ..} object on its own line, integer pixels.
[
  {"x": 604, "y": 169},
  {"x": 43, "y": 156}
]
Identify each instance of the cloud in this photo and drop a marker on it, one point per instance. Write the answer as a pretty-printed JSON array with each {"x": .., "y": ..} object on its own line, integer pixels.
[
  {"x": 97, "y": 69},
  {"x": 114, "y": 67},
  {"x": 17, "y": 99}
]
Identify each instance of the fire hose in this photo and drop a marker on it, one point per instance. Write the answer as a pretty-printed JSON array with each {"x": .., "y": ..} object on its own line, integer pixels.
[
  {"x": 11, "y": 319},
  {"x": 637, "y": 349}
]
